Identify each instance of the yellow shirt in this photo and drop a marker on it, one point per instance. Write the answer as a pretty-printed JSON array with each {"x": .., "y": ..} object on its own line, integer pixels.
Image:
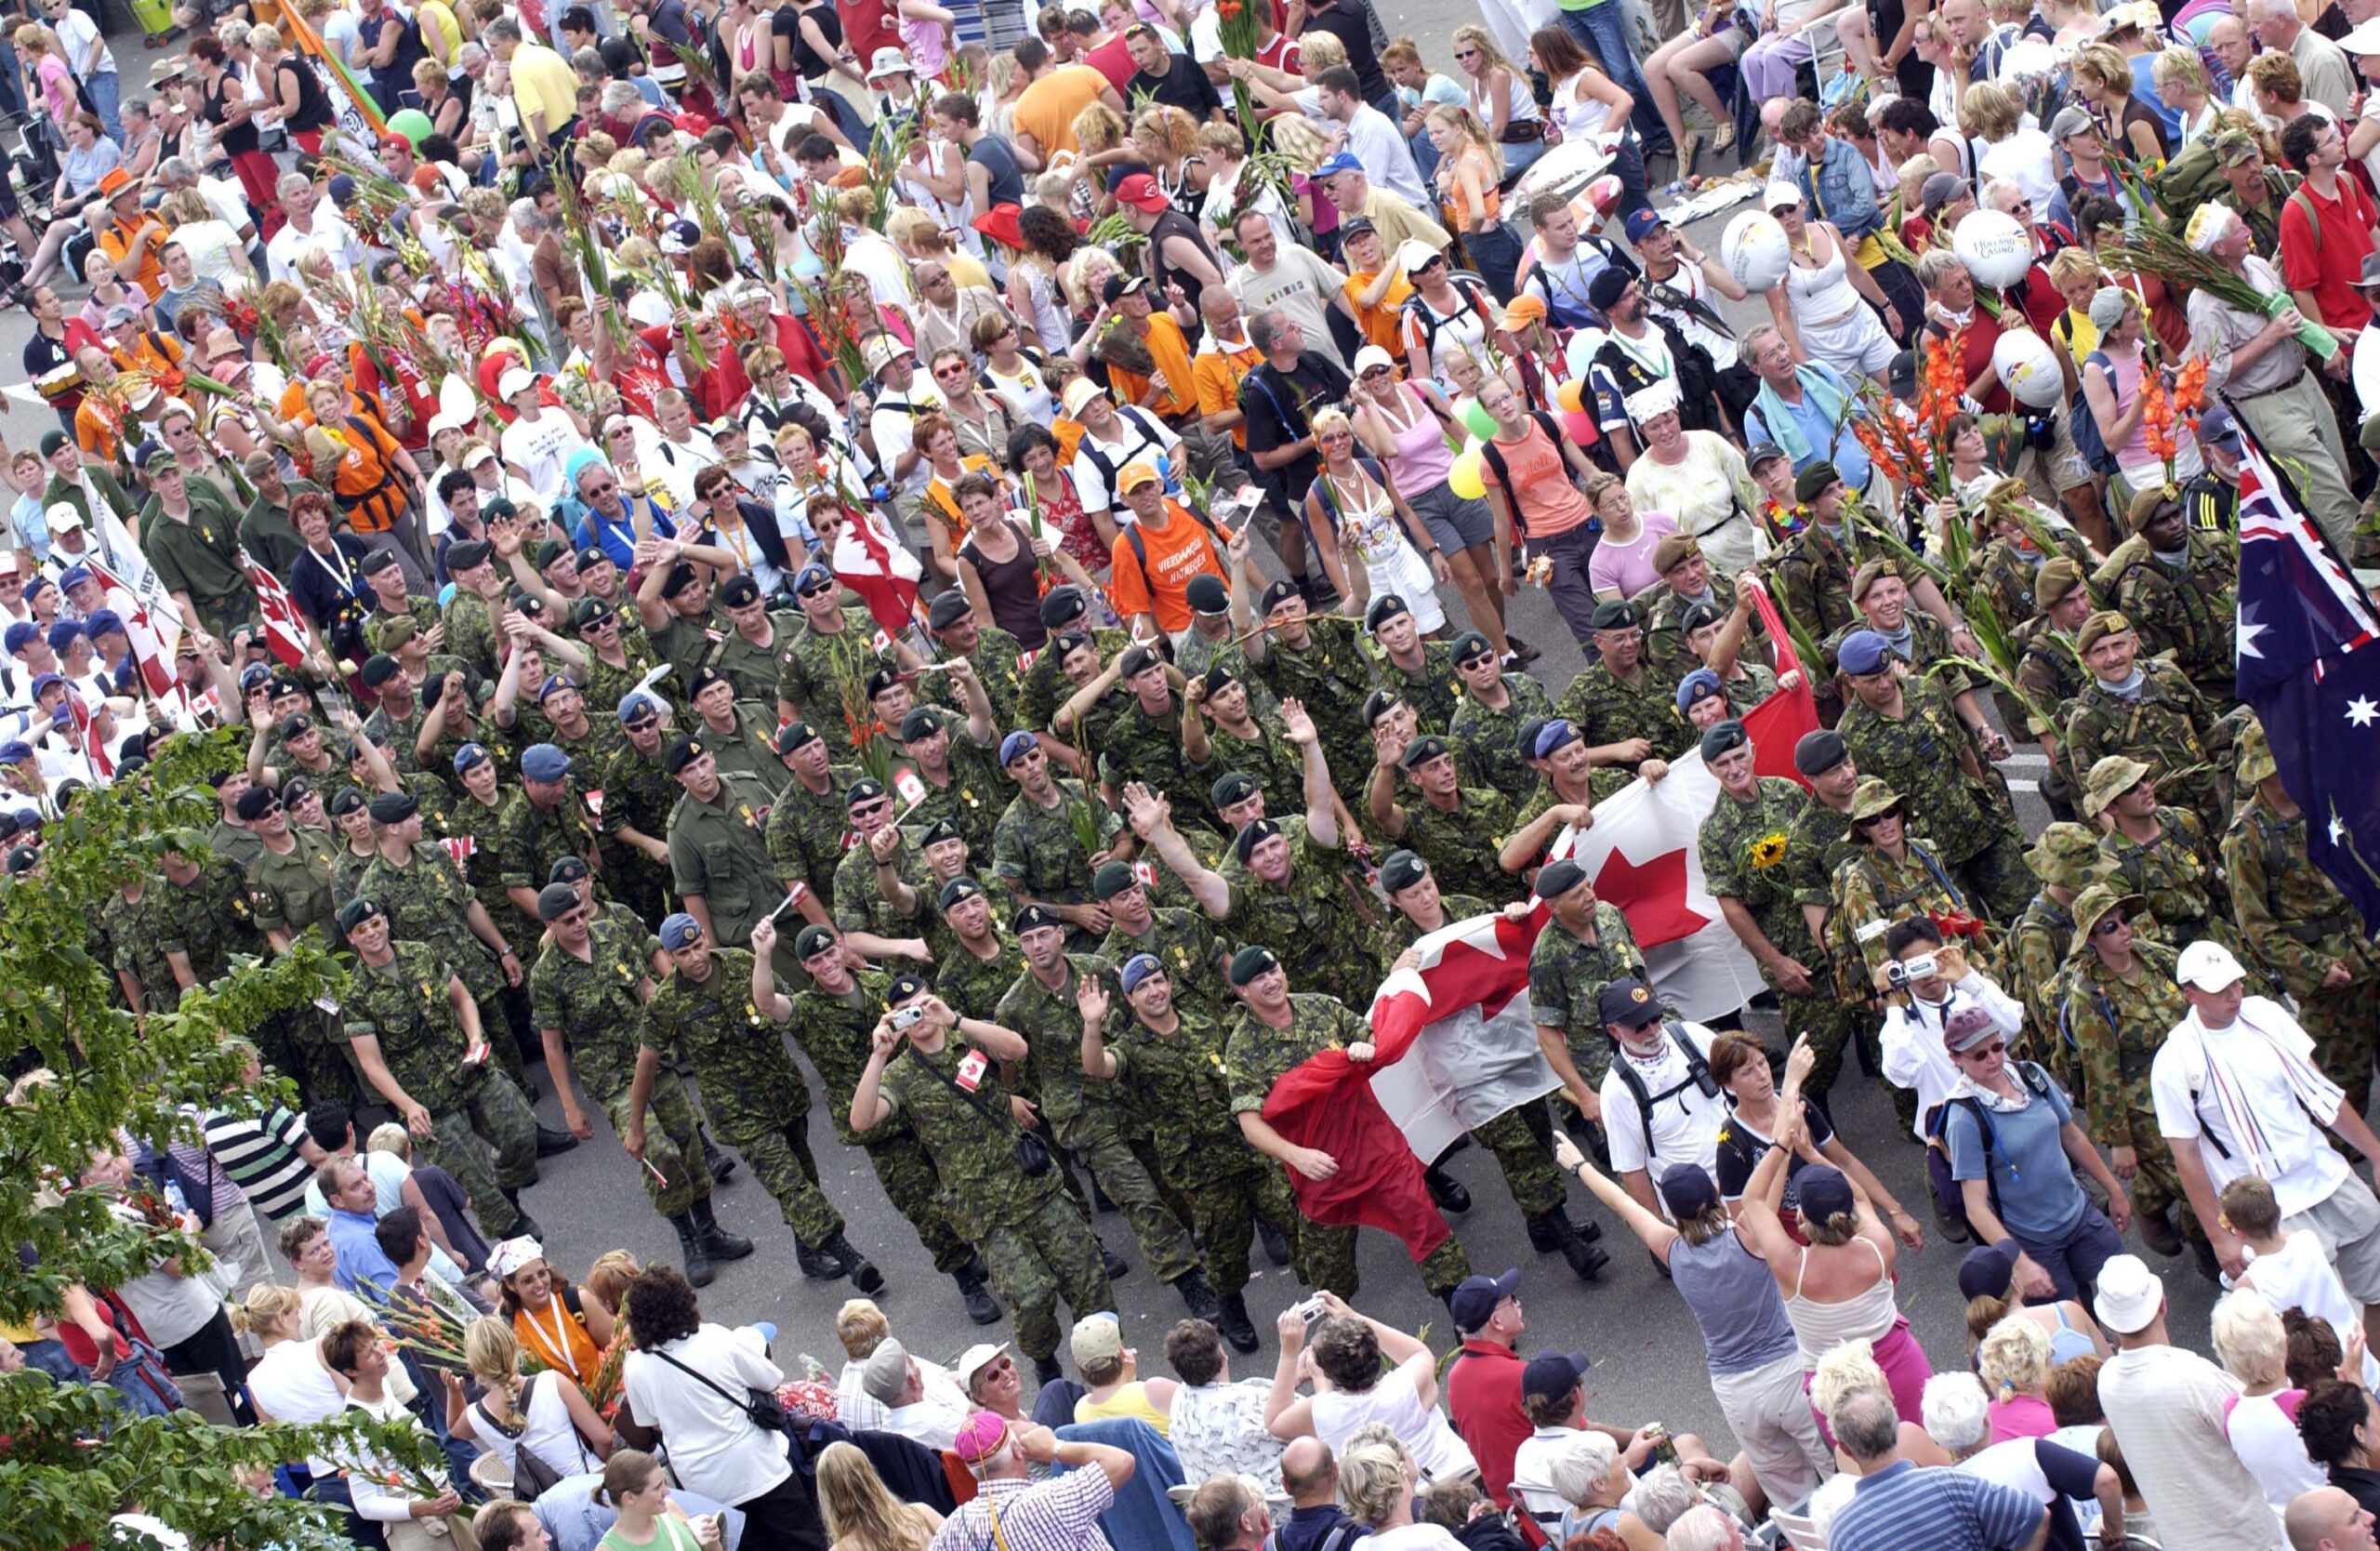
[
  {"x": 1396, "y": 219},
  {"x": 438, "y": 27},
  {"x": 1130, "y": 1400},
  {"x": 968, "y": 270},
  {"x": 544, "y": 87}
]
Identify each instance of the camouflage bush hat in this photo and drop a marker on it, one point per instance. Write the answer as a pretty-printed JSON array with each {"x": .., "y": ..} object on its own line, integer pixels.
[
  {"x": 2110, "y": 779},
  {"x": 2094, "y": 903},
  {"x": 2067, "y": 857},
  {"x": 1873, "y": 799},
  {"x": 2252, "y": 757}
]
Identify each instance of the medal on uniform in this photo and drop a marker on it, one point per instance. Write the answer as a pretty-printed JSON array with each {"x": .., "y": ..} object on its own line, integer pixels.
[{"x": 970, "y": 1075}]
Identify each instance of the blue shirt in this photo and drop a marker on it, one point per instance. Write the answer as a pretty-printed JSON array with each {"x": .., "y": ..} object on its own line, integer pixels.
[
  {"x": 1902, "y": 1507},
  {"x": 2039, "y": 1200},
  {"x": 360, "y": 1257},
  {"x": 1820, "y": 435},
  {"x": 1841, "y": 189}
]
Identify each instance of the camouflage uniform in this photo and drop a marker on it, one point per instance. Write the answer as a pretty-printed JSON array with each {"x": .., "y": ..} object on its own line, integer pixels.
[
  {"x": 1462, "y": 846},
  {"x": 997, "y": 658},
  {"x": 2167, "y": 727},
  {"x": 398, "y": 734},
  {"x": 973, "y": 800},
  {"x": 2007, "y": 574},
  {"x": 1197, "y": 654},
  {"x": 471, "y": 634},
  {"x": 1917, "y": 756},
  {"x": 1173, "y": 1090},
  {"x": 1255, "y": 1056},
  {"x": 423, "y": 611},
  {"x": 2178, "y": 874},
  {"x": 471, "y": 830},
  {"x": 752, "y": 1091},
  {"x": 833, "y": 1031},
  {"x": 809, "y": 831},
  {"x": 2118, "y": 1025},
  {"x": 1046, "y": 688},
  {"x": 2189, "y": 612},
  {"x": 1184, "y": 944},
  {"x": 858, "y": 905},
  {"x": 593, "y": 1003},
  {"x": 974, "y": 985},
  {"x": 1086, "y": 1119},
  {"x": 638, "y": 794},
  {"x": 1565, "y": 975},
  {"x": 1665, "y": 647},
  {"x": 233, "y": 843},
  {"x": 2296, "y": 924},
  {"x": 1034, "y": 850},
  {"x": 814, "y": 670},
  {"x": 1745, "y": 848},
  {"x": 1486, "y": 737},
  {"x": 605, "y": 686},
  {"x": 1034, "y": 1239},
  {"x": 1871, "y": 887},
  {"x": 1812, "y": 576},
  {"x": 296, "y": 895},
  {"x": 530, "y": 838},
  {"x": 1277, "y": 764},
  {"x": 1431, "y": 689},
  {"x": 1331, "y": 677},
  {"x": 1311, "y": 922},
  {"x": 427, "y": 902},
  {"x": 716, "y": 851},
  {"x": 2051, "y": 675},
  {"x": 137, "y": 945},
  {"x": 482, "y": 1129},
  {"x": 1138, "y": 747},
  {"x": 1610, "y": 710},
  {"x": 2038, "y": 944},
  {"x": 206, "y": 920},
  {"x": 753, "y": 669}
]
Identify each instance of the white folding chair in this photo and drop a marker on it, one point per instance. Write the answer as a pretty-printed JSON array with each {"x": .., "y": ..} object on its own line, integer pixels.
[{"x": 1799, "y": 1533}]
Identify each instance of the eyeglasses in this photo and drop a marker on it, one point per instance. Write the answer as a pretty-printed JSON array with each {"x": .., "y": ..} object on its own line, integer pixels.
[
  {"x": 603, "y": 489},
  {"x": 1466, "y": 53},
  {"x": 1979, "y": 1053},
  {"x": 621, "y": 431},
  {"x": 269, "y": 810},
  {"x": 956, "y": 369},
  {"x": 1370, "y": 372},
  {"x": 873, "y": 809}
]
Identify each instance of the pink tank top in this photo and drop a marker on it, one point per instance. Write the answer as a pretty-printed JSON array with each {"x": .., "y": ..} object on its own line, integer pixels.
[{"x": 1422, "y": 457}]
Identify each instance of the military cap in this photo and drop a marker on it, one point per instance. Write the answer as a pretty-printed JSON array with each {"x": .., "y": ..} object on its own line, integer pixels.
[
  {"x": 2108, "y": 779},
  {"x": 2252, "y": 757},
  {"x": 465, "y": 553},
  {"x": 2145, "y": 506},
  {"x": 255, "y": 803},
  {"x": 1016, "y": 746},
  {"x": 1558, "y": 878},
  {"x": 904, "y": 985},
  {"x": 878, "y": 681},
  {"x": 684, "y": 751},
  {"x": 939, "y": 831},
  {"x": 543, "y": 762},
  {"x": 1276, "y": 595},
  {"x": 1233, "y": 787},
  {"x": 680, "y": 930},
  {"x": 1469, "y": 647},
  {"x": 812, "y": 940},
  {"x": 1249, "y": 962},
  {"x": 2059, "y": 575},
  {"x": 556, "y": 900},
  {"x": 1401, "y": 869},
  {"x": 1722, "y": 738},
  {"x": 1033, "y": 917},
  {"x": 1700, "y": 684},
  {"x": 1206, "y": 594},
  {"x": 1421, "y": 751},
  {"x": 1385, "y": 607},
  {"x": 1814, "y": 481},
  {"x": 356, "y": 911},
  {"x": 1873, "y": 799},
  {"x": 958, "y": 888},
  {"x": 1061, "y": 606},
  {"x": 378, "y": 668},
  {"x": 793, "y": 735},
  {"x": 740, "y": 589},
  {"x": 1112, "y": 879},
  {"x": 1137, "y": 968},
  {"x": 1138, "y": 658},
  {"x": 376, "y": 561},
  {"x": 867, "y": 789},
  {"x": 1863, "y": 651},
  {"x": 567, "y": 869},
  {"x": 2094, "y": 902},
  {"x": 2101, "y": 626},
  {"x": 1674, "y": 547},
  {"x": 1378, "y": 703},
  {"x": 393, "y": 807},
  {"x": 346, "y": 800},
  {"x": 679, "y": 577},
  {"x": 1815, "y": 753},
  {"x": 947, "y": 609},
  {"x": 1617, "y": 614},
  {"x": 1252, "y": 834},
  {"x": 1870, "y": 573},
  {"x": 2065, "y": 855}
]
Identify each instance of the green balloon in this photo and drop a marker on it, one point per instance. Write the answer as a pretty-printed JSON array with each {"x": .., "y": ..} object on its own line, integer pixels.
[
  {"x": 413, "y": 123},
  {"x": 1476, "y": 415}
]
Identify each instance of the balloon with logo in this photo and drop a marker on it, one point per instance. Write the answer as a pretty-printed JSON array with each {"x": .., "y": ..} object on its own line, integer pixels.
[
  {"x": 2024, "y": 365},
  {"x": 1754, "y": 250},
  {"x": 1464, "y": 477},
  {"x": 1997, "y": 251}
]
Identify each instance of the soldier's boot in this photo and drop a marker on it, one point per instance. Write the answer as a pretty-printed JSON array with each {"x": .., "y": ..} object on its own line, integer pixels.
[
  {"x": 1117, "y": 1266},
  {"x": 1446, "y": 1190},
  {"x": 816, "y": 1263},
  {"x": 1099, "y": 1201},
  {"x": 1198, "y": 1297},
  {"x": 690, "y": 1250},
  {"x": 1275, "y": 1242},
  {"x": 1585, "y": 1259},
  {"x": 718, "y": 1242},
  {"x": 720, "y": 1162},
  {"x": 1237, "y": 1327},
  {"x": 2158, "y": 1232},
  {"x": 982, "y": 1306},
  {"x": 1046, "y": 1370},
  {"x": 1544, "y": 1238},
  {"x": 865, "y": 1276},
  {"x": 552, "y": 1143},
  {"x": 527, "y": 1225}
]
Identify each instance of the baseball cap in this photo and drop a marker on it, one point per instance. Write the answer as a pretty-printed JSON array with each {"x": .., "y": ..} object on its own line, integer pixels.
[
  {"x": 1824, "y": 1193},
  {"x": 1553, "y": 1374},
  {"x": 1140, "y": 190},
  {"x": 1337, "y": 163},
  {"x": 1628, "y": 1002},
  {"x": 972, "y": 1361},
  {"x": 1474, "y": 1299},
  {"x": 1098, "y": 1339},
  {"x": 886, "y": 1370},
  {"x": 1987, "y": 1270},
  {"x": 1688, "y": 1190},
  {"x": 1966, "y": 1028},
  {"x": 1641, "y": 224},
  {"x": 2209, "y": 966}
]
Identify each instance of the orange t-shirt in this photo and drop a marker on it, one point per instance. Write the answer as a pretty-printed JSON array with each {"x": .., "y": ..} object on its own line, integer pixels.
[
  {"x": 1171, "y": 353},
  {"x": 1047, "y": 108},
  {"x": 1217, "y": 373},
  {"x": 117, "y": 240},
  {"x": 1379, "y": 322},
  {"x": 1552, "y": 504},
  {"x": 1182, "y": 551}
]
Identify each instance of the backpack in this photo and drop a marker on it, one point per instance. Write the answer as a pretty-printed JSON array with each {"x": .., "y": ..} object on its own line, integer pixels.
[
  {"x": 2084, "y": 427},
  {"x": 1470, "y": 287},
  {"x": 1697, "y": 1075},
  {"x": 1495, "y": 460},
  {"x": 1938, "y": 1131},
  {"x": 162, "y": 1168},
  {"x": 1146, "y": 427}
]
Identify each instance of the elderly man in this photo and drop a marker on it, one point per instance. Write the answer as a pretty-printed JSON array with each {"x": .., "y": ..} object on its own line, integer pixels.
[
  {"x": 1050, "y": 1513},
  {"x": 1807, "y": 410},
  {"x": 2322, "y": 68},
  {"x": 2260, "y": 367},
  {"x": 1897, "y": 1505}
]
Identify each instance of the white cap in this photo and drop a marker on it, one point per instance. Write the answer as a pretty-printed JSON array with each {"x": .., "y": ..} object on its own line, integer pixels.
[
  {"x": 1781, "y": 192},
  {"x": 2130, "y": 1294},
  {"x": 2365, "y": 39},
  {"x": 2209, "y": 966},
  {"x": 511, "y": 1254},
  {"x": 889, "y": 62},
  {"x": 515, "y": 380},
  {"x": 1080, "y": 392},
  {"x": 1412, "y": 253},
  {"x": 883, "y": 351},
  {"x": 1646, "y": 402},
  {"x": 1371, "y": 356},
  {"x": 478, "y": 456},
  {"x": 64, "y": 514},
  {"x": 451, "y": 419},
  {"x": 971, "y": 1361}
]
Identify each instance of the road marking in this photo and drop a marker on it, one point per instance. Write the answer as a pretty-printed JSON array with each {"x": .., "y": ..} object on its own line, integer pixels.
[{"x": 2022, "y": 785}]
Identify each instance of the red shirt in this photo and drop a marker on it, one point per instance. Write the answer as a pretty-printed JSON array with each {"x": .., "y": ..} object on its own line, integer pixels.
[
  {"x": 2327, "y": 258},
  {"x": 1484, "y": 1403},
  {"x": 1981, "y": 333},
  {"x": 1113, "y": 60},
  {"x": 868, "y": 26}
]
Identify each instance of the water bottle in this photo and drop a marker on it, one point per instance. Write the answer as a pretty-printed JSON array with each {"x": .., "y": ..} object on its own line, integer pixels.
[
  {"x": 1672, "y": 189},
  {"x": 174, "y": 1199}
]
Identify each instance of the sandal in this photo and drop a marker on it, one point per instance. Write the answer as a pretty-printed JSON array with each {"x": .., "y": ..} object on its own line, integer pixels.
[{"x": 1723, "y": 140}]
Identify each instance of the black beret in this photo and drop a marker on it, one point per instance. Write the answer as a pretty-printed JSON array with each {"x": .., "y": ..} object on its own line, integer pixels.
[
  {"x": 378, "y": 560},
  {"x": 1276, "y": 595},
  {"x": 1819, "y": 751},
  {"x": 1421, "y": 751},
  {"x": 1387, "y": 606},
  {"x": 1233, "y": 786},
  {"x": 556, "y": 900},
  {"x": 680, "y": 577},
  {"x": 253, "y": 804},
  {"x": 553, "y": 550},
  {"x": 346, "y": 800},
  {"x": 1205, "y": 594},
  {"x": 567, "y": 869},
  {"x": 793, "y": 735},
  {"x": 393, "y": 807},
  {"x": 378, "y": 668},
  {"x": 1605, "y": 288},
  {"x": 702, "y": 679},
  {"x": 958, "y": 888},
  {"x": 464, "y": 553},
  {"x": 1559, "y": 878},
  {"x": 684, "y": 751},
  {"x": 1402, "y": 870},
  {"x": 1033, "y": 917},
  {"x": 1218, "y": 678},
  {"x": 1252, "y": 834},
  {"x": 1112, "y": 879},
  {"x": 939, "y": 831},
  {"x": 355, "y": 912},
  {"x": 867, "y": 789},
  {"x": 1723, "y": 738},
  {"x": 1249, "y": 962},
  {"x": 907, "y": 983},
  {"x": 811, "y": 941},
  {"x": 1469, "y": 646},
  {"x": 947, "y": 609},
  {"x": 1617, "y": 614},
  {"x": 1061, "y": 606},
  {"x": 740, "y": 589}
]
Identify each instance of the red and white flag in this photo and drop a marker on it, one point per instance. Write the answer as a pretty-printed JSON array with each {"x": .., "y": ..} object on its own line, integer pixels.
[
  {"x": 151, "y": 633},
  {"x": 94, "y": 750},
  {"x": 285, "y": 630},
  {"x": 872, "y": 563}
]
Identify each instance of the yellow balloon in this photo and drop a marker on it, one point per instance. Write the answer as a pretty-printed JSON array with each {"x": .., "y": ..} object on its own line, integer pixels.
[{"x": 1463, "y": 477}]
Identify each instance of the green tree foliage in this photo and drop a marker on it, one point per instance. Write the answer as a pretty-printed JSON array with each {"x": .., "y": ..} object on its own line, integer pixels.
[{"x": 69, "y": 1457}]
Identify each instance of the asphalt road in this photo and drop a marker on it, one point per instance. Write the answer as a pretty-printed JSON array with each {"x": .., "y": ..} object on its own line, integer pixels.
[{"x": 1647, "y": 1356}]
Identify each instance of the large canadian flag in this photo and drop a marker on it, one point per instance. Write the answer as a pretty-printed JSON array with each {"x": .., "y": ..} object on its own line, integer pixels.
[{"x": 878, "y": 566}]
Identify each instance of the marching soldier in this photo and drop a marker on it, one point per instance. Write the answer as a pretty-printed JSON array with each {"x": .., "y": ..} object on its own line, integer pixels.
[
  {"x": 638, "y": 794},
  {"x": 2163, "y": 854},
  {"x": 2050, "y": 672},
  {"x": 1417, "y": 670},
  {"x": 1180, "y": 941},
  {"x": 2177, "y": 583},
  {"x": 1036, "y": 850},
  {"x": 981, "y": 966},
  {"x": 933, "y": 1072},
  {"x": 809, "y": 822},
  {"x": 1585, "y": 946},
  {"x": 1888, "y": 875},
  {"x": 719, "y": 855},
  {"x": 2065, "y": 858},
  {"x": 1625, "y": 710},
  {"x": 954, "y": 756},
  {"x": 1459, "y": 830},
  {"x": 2139, "y": 706},
  {"x": 830, "y": 1017},
  {"x": 1487, "y": 719},
  {"x": 540, "y": 823},
  {"x": 704, "y": 1014},
  {"x": 293, "y": 895}
]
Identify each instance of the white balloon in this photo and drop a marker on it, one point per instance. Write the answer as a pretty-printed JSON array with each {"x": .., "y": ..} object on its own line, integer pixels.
[
  {"x": 1755, "y": 251},
  {"x": 2024, "y": 365},
  {"x": 1997, "y": 251}
]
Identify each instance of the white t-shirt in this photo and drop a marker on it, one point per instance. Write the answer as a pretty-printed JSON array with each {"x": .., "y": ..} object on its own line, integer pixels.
[
  {"x": 714, "y": 1448},
  {"x": 539, "y": 448},
  {"x": 2166, "y": 1407},
  {"x": 1387, "y": 155},
  {"x": 2299, "y": 1275},
  {"x": 1299, "y": 283},
  {"x": 211, "y": 244},
  {"x": 77, "y": 31},
  {"x": 1438, "y": 1451},
  {"x": 331, "y": 234},
  {"x": 290, "y": 1383},
  {"x": 2265, "y": 1436},
  {"x": 930, "y": 1421},
  {"x": 2196, "y": 1066},
  {"x": 1686, "y": 1122}
]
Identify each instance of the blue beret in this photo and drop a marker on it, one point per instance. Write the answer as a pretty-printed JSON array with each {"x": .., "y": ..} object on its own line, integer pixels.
[
  {"x": 543, "y": 762},
  {"x": 1863, "y": 652},
  {"x": 1137, "y": 968},
  {"x": 680, "y": 930},
  {"x": 1015, "y": 745},
  {"x": 1700, "y": 684}
]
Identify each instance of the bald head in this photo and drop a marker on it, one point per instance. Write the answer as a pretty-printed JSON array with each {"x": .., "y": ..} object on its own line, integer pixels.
[
  {"x": 2327, "y": 1520},
  {"x": 1308, "y": 1473}
]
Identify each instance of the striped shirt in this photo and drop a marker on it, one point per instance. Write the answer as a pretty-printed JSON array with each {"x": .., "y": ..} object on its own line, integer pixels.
[
  {"x": 1943, "y": 1510},
  {"x": 261, "y": 1154}
]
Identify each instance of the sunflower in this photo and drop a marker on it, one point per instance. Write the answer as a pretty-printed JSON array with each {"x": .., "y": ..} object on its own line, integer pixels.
[{"x": 1767, "y": 851}]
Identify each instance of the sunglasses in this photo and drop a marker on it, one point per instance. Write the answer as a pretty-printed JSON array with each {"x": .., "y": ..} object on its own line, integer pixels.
[
  {"x": 2109, "y": 923},
  {"x": 1370, "y": 372},
  {"x": 603, "y": 489},
  {"x": 1979, "y": 1053},
  {"x": 955, "y": 369},
  {"x": 269, "y": 810}
]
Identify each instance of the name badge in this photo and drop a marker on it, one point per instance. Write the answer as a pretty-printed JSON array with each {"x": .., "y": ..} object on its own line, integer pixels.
[{"x": 970, "y": 1075}]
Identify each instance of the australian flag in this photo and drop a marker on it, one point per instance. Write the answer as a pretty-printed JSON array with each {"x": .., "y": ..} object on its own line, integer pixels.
[{"x": 2308, "y": 665}]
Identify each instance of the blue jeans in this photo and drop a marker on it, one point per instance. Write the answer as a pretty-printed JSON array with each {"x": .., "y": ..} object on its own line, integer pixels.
[
  {"x": 1603, "y": 30},
  {"x": 2073, "y": 1261},
  {"x": 105, "y": 87}
]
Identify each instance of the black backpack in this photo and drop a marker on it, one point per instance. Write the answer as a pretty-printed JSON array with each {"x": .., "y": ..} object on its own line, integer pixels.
[
  {"x": 1939, "y": 1129},
  {"x": 1697, "y": 1075}
]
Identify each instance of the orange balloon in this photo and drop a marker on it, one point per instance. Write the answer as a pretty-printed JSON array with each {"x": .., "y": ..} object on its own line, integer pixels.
[{"x": 1571, "y": 395}]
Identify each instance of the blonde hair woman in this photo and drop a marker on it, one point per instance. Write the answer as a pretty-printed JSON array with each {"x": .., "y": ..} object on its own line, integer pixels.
[
  {"x": 1500, "y": 96},
  {"x": 2181, "y": 85},
  {"x": 1468, "y": 197},
  {"x": 1379, "y": 538},
  {"x": 1165, "y": 142},
  {"x": 1849, "y": 1370},
  {"x": 45, "y": 66},
  {"x": 546, "y": 1416},
  {"x": 2250, "y": 1342},
  {"x": 861, "y": 1513},
  {"x": 2103, "y": 83},
  {"x": 2014, "y": 1364},
  {"x": 1377, "y": 1482}
]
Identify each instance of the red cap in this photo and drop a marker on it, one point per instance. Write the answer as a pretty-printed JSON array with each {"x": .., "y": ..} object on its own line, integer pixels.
[
  {"x": 999, "y": 224},
  {"x": 1141, "y": 192},
  {"x": 395, "y": 143}
]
